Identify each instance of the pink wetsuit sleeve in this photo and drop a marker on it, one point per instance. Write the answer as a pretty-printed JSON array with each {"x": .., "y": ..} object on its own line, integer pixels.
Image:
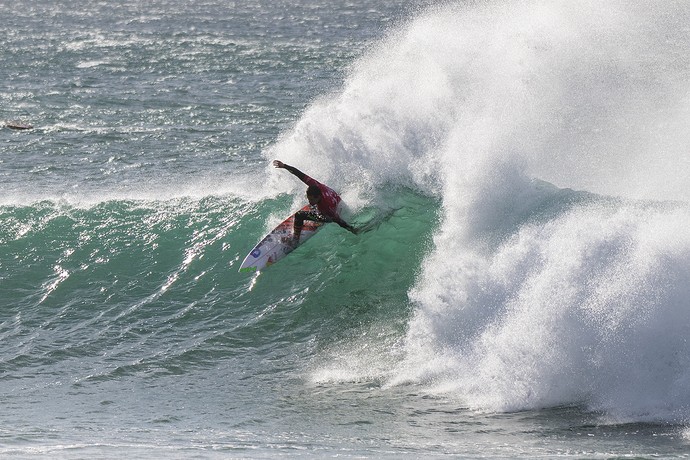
[{"x": 309, "y": 181}]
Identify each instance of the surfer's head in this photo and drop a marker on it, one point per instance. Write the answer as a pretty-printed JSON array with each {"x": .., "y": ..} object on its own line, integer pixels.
[{"x": 313, "y": 194}]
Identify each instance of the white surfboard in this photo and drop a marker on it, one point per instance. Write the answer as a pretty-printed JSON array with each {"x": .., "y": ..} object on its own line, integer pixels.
[{"x": 277, "y": 244}]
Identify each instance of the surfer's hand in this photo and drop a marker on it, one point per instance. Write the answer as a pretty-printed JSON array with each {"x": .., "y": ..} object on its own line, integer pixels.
[{"x": 278, "y": 164}]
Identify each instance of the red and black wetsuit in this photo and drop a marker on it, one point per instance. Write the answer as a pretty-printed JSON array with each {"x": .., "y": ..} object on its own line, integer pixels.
[{"x": 327, "y": 207}]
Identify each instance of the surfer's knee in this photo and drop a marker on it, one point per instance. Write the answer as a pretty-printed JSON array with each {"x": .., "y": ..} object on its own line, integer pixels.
[{"x": 300, "y": 216}]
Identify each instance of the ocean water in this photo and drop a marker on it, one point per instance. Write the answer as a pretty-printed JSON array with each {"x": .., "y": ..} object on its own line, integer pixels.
[{"x": 523, "y": 290}]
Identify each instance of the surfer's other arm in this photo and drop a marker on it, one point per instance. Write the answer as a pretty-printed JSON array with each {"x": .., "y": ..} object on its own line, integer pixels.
[{"x": 345, "y": 225}]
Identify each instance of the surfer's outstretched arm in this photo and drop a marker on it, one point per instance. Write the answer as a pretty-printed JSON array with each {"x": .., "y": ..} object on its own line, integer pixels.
[{"x": 300, "y": 175}]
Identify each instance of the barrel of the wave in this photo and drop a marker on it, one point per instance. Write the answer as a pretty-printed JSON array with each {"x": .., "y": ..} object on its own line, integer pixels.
[{"x": 279, "y": 243}]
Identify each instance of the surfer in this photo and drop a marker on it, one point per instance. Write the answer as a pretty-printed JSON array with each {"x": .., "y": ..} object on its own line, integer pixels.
[{"x": 323, "y": 199}]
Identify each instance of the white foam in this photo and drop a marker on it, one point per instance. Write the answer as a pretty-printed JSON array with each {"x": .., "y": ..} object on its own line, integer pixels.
[
  {"x": 590, "y": 308},
  {"x": 472, "y": 102}
]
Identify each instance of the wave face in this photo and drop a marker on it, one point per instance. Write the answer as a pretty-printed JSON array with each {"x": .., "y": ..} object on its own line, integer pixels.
[
  {"x": 130, "y": 288},
  {"x": 531, "y": 295}
]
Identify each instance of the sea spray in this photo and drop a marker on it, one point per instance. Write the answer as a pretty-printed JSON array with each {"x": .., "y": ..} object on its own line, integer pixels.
[
  {"x": 589, "y": 308},
  {"x": 575, "y": 320},
  {"x": 586, "y": 96},
  {"x": 533, "y": 296}
]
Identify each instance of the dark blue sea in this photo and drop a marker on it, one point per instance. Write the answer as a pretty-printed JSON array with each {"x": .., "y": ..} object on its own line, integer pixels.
[{"x": 522, "y": 290}]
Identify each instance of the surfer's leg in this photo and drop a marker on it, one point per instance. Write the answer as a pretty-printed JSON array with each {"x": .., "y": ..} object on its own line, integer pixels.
[{"x": 300, "y": 217}]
